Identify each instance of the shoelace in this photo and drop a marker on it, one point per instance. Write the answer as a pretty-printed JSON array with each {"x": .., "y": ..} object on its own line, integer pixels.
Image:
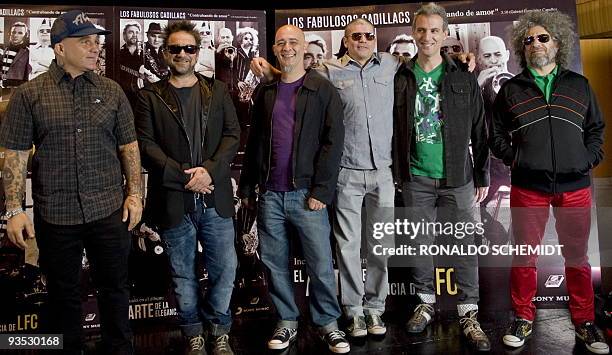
[
  {"x": 282, "y": 332},
  {"x": 592, "y": 333},
  {"x": 473, "y": 327},
  {"x": 336, "y": 335},
  {"x": 420, "y": 309},
  {"x": 221, "y": 342},
  {"x": 518, "y": 324},
  {"x": 196, "y": 343}
]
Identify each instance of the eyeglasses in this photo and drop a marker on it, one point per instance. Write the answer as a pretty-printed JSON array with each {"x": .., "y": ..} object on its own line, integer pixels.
[
  {"x": 542, "y": 38},
  {"x": 356, "y": 36},
  {"x": 205, "y": 33},
  {"x": 44, "y": 31},
  {"x": 176, "y": 49},
  {"x": 451, "y": 49},
  {"x": 402, "y": 54}
]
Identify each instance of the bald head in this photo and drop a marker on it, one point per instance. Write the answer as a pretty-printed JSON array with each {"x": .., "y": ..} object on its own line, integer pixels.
[
  {"x": 492, "y": 52},
  {"x": 289, "y": 47}
]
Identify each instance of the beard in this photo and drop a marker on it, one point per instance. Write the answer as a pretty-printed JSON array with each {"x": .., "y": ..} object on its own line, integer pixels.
[{"x": 542, "y": 59}]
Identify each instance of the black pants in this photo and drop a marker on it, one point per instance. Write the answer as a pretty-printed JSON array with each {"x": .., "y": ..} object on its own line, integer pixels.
[{"x": 107, "y": 243}]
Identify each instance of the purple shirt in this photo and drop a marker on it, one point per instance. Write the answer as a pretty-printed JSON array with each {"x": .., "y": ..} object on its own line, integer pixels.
[{"x": 283, "y": 123}]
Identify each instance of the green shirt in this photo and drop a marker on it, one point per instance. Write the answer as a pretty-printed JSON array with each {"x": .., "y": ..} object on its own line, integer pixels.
[
  {"x": 427, "y": 153},
  {"x": 544, "y": 82}
]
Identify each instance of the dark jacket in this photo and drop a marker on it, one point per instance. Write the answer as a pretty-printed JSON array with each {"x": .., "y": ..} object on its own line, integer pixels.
[
  {"x": 463, "y": 115},
  {"x": 550, "y": 146},
  {"x": 317, "y": 141},
  {"x": 166, "y": 151}
]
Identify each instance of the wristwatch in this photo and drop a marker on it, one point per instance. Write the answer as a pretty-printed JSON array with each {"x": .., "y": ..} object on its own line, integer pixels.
[{"x": 12, "y": 213}]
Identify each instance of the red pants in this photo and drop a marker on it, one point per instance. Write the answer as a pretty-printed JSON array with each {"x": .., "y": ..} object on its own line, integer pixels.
[{"x": 572, "y": 211}]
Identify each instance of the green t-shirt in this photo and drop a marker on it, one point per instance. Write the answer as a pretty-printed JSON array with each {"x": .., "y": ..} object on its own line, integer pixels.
[
  {"x": 427, "y": 153},
  {"x": 544, "y": 82}
]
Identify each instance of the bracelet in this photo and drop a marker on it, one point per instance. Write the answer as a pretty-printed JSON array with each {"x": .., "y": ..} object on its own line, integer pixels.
[
  {"x": 12, "y": 213},
  {"x": 136, "y": 195}
]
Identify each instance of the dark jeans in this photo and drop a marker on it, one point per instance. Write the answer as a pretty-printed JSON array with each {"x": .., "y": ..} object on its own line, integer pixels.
[
  {"x": 107, "y": 243},
  {"x": 429, "y": 200}
]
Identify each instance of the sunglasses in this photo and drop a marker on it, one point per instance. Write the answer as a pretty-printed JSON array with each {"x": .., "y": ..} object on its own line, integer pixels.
[
  {"x": 356, "y": 36},
  {"x": 176, "y": 49},
  {"x": 451, "y": 49},
  {"x": 402, "y": 54},
  {"x": 542, "y": 38},
  {"x": 44, "y": 31},
  {"x": 205, "y": 33}
]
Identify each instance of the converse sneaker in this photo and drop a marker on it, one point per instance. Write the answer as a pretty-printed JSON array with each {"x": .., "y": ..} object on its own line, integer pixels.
[
  {"x": 195, "y": 345},
  {"x": 375, "y": 324},
  {"x": 518, "y": 332},
  {"x": 281, "y": 338},
  {"x": 357, "y": 327},
  {"x": 336, "y": 342},
  {"x": 422, "y": 317},
  {"x": 221, "y": 345},
  {"x": 472, "y": 331},
  {"x": 592, "y": 338}
]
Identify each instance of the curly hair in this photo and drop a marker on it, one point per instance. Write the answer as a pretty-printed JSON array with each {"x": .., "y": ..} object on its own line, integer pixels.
[
  {"x": 182, "y": 26},
  {"x": 241, "y": 32},
  {"x": 559, "y": 25}
]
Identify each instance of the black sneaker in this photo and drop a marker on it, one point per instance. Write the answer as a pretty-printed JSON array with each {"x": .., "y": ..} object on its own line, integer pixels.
[
  {"x": 221, "y": 345},
  {"x": 474, "y": 334},
  {"x": 422, "y": 317},
  {"x": 336, "y": 342},
  {"x": 517, "y": 333},
  {"x": 195, "y": 345},
  {"x": 281, "y": 338},
  {"x": 592, "y": 338}
]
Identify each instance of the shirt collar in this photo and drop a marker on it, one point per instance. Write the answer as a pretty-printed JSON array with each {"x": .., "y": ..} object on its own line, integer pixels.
[
  {"x": 346, "y": 59},
  {"x": 549, "y": 76},
  {"x": 58, "y": 73}
]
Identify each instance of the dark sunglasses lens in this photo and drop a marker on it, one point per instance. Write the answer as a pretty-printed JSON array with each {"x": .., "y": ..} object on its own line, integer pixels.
[
  {"x": 189, "y": 49},
  {"x": 528, "y": 40},
  {"x": 543, "y": 38}
]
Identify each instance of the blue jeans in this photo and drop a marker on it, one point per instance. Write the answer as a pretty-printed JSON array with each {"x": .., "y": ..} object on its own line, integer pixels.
[
  {"x": 276, "y": 211},
  {"x": 216, "y": 235}
]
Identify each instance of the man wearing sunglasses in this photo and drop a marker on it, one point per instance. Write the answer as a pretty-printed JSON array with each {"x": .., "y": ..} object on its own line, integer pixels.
[
  {"x": 548, "y": 128},
  {"x": 206, "y": 59},
  {"x": 403, "y": 46},
  {"x": 439, "y": 111},
  {"x": 189, "y": 133}
]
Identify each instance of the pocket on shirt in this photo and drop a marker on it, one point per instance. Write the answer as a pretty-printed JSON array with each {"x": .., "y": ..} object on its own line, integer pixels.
[{"x": 461, "y": 94}]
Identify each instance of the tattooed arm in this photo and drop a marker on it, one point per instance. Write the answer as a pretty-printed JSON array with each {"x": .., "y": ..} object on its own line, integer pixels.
[
  {"x": 130, "y": 161},
  {"x": 14, "y": 175}
]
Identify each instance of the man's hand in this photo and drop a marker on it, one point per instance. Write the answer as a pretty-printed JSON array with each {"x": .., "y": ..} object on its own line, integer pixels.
[
  {"x": 468, "y": 58},
  {"x": 200, "y": 180},
  {"x": 249, "y": 203},
  {"x": 486, "y": 74},
  {"x": 261, "y": 67},
  {"x": 132, "y": 209},
  {"x": 15, "y": 227},
  {"x": 480, "y": 193},
  {"x": 315, "y": 205}
]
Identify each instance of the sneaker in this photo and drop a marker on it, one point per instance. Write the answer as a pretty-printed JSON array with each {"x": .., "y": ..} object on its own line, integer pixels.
[
  {"x": 336, "y": 342},
  {"x": 195, "y": 345},
  {"x": 221, "y": 345},
  {"x": 281, "y": 338},
  {"x": 375, "y": 324},
  {"x": 422, "y": 317},
  {"x": 519, "y": 330},
  {"x": 592, "y": 338},
  {"x": 357, "y": 327},
  {"x": 472, "y": 331}
]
